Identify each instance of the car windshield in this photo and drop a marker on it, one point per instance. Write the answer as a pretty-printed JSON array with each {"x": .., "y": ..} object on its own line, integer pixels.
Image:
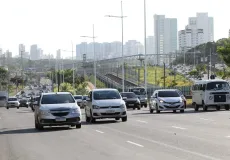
[
  {"x": 128, "y": 95},
  {"x": 102, "y": 95},
  {"x": 57, "y": 99},
  {"x": 217, "y": 86},
  {"x": 12, "y": 99},
  {"x": 77, "y": 97},
  {"x": 168, "y": 94}
]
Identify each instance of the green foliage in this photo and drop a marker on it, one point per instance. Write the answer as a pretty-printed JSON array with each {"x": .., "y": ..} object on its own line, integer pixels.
[
  {"x": 194, "y": 73},
  {"x": 201, "y": 68},
  {"x": 223, "y": 49},
  {"x": 3, "y": 77}
]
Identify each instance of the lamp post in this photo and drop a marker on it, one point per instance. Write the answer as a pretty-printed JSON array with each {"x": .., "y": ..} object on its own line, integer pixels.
[
  {"x": 145, "y": 45},
  {"x": 94, "y": 59},
  {"x": 122, "y": 43}
]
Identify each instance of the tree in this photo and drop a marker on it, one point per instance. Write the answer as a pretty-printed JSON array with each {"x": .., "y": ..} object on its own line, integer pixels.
[
  {"x": 3, "y": 77},
  {"x": 223, "y": 49}
]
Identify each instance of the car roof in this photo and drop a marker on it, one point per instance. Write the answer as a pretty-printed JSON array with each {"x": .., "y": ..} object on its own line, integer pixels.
[
  {"x": 105, "y": 89},
  {"x": 166, "y": 90},
  {"x": 126, "y": 92},
  {"x": 52, "y": 93}
]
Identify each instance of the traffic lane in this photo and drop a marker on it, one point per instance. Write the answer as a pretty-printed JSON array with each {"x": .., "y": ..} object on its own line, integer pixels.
[
  {"x": 193, "y": 126},
  {"x": 175, "y": 136},
  {"x": 24, "y": 142},
  {"x": 170, "y": 145},
  {"x": 211, "y": 123}
]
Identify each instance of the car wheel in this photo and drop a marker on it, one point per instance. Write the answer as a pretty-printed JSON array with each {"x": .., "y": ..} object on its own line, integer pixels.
[
  {"x": 139, "y": 108},
  {"x": 151, "y": 110},
  {"x": 87, "y": 119},
  {"x": 7, "y": 107},
  {"x": 78, "y": 125},
  {"x": 217, "y": 108},
  {"x": 174, "y": 111},
  {"x": 38, "y": 126},
  {"x": 92, "y": 120},
  {"x": 182, "y": 111},
  {"x": 145, "y": 105},
  {"x": 205, "y": 108},
  {"x": 17, "y": 107},
  {"x": 117, "y": 119},
  {"x": 124, "y": 119},
  {"x": 134, "y": 108},
  {"x": 196, "y": 107},
  {"x": 157, "y": 111},
  {"x": 226, "y": 107}
]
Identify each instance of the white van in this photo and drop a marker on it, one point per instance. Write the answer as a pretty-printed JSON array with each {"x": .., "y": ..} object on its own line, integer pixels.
[{"x": 206, "y": 93}]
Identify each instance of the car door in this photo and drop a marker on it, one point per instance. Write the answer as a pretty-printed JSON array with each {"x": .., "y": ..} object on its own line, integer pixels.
[{"x": 89, "y": 103}]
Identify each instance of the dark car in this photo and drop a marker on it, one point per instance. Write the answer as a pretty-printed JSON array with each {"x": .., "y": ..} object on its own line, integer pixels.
[
  {"x": 131, "y": 100},
  {"x": 24, "y": 103}
]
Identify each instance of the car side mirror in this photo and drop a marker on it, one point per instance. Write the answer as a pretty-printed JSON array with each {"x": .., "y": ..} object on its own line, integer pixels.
[{"x": 124, "y": 98}]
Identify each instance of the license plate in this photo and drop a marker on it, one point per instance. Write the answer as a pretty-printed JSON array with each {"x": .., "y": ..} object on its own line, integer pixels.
[
  {"x": 131, "y": 104},
  {"x": 60, "y": 119},
  {"x": 110, "y": 111}
]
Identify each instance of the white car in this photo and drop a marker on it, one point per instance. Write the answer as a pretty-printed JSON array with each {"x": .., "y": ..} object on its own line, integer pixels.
[
  {"x": 12, "y": 102},
  {"x": 167, "y": 99},
  {"x": 105, "y": 103}
]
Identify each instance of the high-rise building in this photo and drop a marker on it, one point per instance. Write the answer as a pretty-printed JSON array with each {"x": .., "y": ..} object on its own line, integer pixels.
[
  {"x": 199, "y": 30},
  {"x": 34, "y": 52},
  {"x": 203, "y": 21},
  {"x": 58, "y": 56},
  {"x": 80, "y": 50},
  {"x": 150, "y": 45},
  {"x": 115, "y": 49},
  {"x": 165, "y": 33}
]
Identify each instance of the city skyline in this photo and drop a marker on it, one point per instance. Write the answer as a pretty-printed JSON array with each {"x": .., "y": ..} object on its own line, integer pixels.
[{"x": 75, "y": 20}]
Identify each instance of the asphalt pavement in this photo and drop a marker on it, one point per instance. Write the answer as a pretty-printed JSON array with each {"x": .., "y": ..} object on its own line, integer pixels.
[{"x": 176, "y": 136}]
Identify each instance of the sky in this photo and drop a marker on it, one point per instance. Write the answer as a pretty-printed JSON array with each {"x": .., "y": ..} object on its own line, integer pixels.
[{"x": 54, "y": 24}]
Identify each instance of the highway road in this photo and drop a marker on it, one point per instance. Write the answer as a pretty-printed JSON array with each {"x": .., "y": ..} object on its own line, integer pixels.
[{"x": 145, "y": 136}]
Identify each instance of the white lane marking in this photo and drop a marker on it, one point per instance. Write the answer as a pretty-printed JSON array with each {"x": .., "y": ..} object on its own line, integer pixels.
[
  {"x": 166, "y": 145},
  {"x": 142, "y": 121},
  {"x": 206, "y": 119},
  {"x": 178, "y": 127},
  {"x": 99, "y": 131},
  {"x": 227, "y": 136},
  {"x": 136, "y": 144}
]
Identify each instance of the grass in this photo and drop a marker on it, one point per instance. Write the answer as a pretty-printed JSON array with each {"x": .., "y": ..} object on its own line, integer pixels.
[{"x": 159, "y": 80}]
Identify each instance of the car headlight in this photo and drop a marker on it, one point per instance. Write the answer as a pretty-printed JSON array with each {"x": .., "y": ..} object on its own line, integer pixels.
[
  {"x": 145, "y": 98},
  {"x": 161, "y": 101},
  {"x": 45, "y": 113},
  {"x": 96, "y": 107},
  {"x": 122, "y": 106},
  {"x": 210, "y": 97},
  {"x": 74, "y": 111},
  {"x": 181, "y": 100}
]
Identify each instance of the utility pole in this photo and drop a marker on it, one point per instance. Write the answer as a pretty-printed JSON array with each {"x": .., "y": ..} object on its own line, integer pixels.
[{"x": 22, "y": 74}]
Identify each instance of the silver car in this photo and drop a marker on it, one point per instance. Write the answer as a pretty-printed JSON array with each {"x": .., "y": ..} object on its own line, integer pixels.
[
  {"x": 12, "y": 102},
  {"x": 167, "y": 99},
  {"x": 57, "y": 109},
  {"x": 105, "y": 103}
]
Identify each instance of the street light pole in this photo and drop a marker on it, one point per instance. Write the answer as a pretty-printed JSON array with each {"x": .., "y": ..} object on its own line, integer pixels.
[
  {"x": 145, "y": 45},
  {"x": 94, "y": 61},
  {"x": 73, "y": 66},
  {"x": 122, "y": 44}
]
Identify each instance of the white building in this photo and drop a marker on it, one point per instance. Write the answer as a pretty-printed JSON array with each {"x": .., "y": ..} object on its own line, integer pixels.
[
  {"x": 34, "y": 52},
  {"x": 165, "y": 33},
  {"x": 58, "y": 55},
  {"x": 150, "y": 45},
  {"x": 199, "y": 30},
  {"x": 189, "y": 38},
  {"x": 203, "y": 21}
]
